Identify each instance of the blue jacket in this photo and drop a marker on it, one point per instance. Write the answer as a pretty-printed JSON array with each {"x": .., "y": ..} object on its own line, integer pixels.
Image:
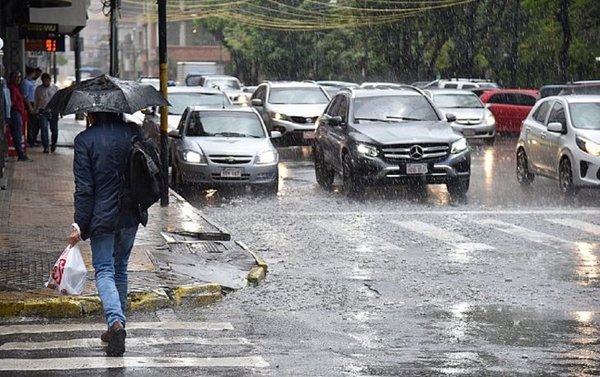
[{"x": 98, "y": 166}]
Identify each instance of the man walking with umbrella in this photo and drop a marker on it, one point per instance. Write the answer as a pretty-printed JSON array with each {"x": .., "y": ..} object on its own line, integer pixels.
[{"x": 100, "y": 156}]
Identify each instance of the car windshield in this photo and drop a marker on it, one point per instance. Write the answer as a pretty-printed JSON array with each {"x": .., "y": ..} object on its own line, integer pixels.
[
  {"x": 225, "y": 124},
  {"x": 585, "y": 115},
  {"x": 392, "y": 108},
  {"x": 222, "y": 83},
  {"x": 457, "y": 101},
  {"x": 179, "y": 101},
  {"x": 300, "y": 96}
]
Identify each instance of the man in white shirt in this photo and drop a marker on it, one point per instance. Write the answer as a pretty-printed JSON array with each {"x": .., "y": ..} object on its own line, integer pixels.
[{"x": 48, "y": 119}]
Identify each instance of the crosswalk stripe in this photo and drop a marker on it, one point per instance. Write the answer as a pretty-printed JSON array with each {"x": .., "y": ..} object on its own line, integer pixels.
[
  {"x": 79, "y": 363},
  {"x": 578, "y": 224},
  {"x": 131, "y": 343},
  {"x": 356, "y": 235},
  {"x": 528, "y": 234},
  {"x": 36, "y": 329},
  {"x": 458, "y": 241}
]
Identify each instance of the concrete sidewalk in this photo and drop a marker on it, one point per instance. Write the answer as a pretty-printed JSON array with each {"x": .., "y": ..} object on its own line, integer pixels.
[{"x": 181, "y": 258}]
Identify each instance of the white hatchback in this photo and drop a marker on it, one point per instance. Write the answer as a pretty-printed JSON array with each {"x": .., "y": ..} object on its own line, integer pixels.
[{"x": 560, "y": 139}]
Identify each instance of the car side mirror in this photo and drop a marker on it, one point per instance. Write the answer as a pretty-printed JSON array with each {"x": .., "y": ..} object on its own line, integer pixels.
[
  {"x": 336, "y": 121},
  {"x": 556, "y": 127},
  {"x": 275, "y": 134},
  {"x": 450, "y": 117},
  {"x": 257, "y": 102},
  {"x": 174, "y": 134}
]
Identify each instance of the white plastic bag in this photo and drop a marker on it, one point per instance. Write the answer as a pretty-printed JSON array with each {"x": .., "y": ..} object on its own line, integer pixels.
[{"x": 68, "y": 274}]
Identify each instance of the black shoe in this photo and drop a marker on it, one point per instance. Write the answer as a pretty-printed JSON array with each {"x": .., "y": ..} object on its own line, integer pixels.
[
  {"x": 24, "y": 158},
  {"x": 46, "y": 150},
  {"x": 116, "y": 343},
  {"x": 53, "y": 148}
]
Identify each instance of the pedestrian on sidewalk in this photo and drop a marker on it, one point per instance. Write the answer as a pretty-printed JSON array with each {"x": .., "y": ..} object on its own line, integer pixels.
[
  {"x": 48, "y": 119},
  {"x": 28, "y": 85},
  {"x": 100, "y": 159},
  {"x": 18, "y": 113}
]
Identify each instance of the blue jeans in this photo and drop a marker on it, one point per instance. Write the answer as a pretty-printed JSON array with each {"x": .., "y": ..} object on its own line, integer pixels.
[
  {"x": 16, "y": 130},
  {"x": 49, "y": 123},
  {"x": 110, "y": 255}
]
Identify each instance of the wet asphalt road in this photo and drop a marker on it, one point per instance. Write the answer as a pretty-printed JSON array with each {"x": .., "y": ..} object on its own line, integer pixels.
[{"x": 401, "y": 283}]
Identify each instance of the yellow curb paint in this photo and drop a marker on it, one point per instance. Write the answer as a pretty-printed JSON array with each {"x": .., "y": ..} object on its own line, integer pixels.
[
  {"x": 148, "y": 300},
  {"x": 256, "y": 275},
  {"x": 197, "y": 294}
]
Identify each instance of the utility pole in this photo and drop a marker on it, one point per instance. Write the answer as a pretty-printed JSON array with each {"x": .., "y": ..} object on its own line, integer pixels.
[
  {"x": 114, "y": 39},
  {"x": 164, "y": 117}
]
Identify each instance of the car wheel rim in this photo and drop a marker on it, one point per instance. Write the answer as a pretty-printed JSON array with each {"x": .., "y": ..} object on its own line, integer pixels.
[
  {"x": 566, "y": 178},
  {"x": 522, "y": 171}
]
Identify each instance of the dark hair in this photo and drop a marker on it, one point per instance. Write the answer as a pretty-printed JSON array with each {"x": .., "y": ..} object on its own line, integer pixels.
[
  {"x": 38, "y": 69},
  {"x": 45, "y": 76},
  {"x": 14, "y": 74},
  {"x": 28, "y": 70}
]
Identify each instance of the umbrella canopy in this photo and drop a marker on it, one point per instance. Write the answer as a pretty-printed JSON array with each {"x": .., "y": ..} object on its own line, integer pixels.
[{"x": 105, "y": 94}]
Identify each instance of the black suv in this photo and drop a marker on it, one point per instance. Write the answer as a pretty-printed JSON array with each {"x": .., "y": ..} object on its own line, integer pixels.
[{"x": 389, "y": 136}]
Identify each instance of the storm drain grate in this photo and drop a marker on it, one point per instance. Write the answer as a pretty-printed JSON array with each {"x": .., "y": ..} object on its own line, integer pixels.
[{"x": 197, "y": 247}]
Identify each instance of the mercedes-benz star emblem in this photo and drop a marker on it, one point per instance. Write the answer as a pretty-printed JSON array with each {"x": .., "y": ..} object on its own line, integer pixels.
[{"x": 416, "y": 152}]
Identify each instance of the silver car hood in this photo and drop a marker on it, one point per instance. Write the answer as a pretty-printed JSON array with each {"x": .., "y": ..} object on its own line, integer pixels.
[
  {"x": 235, "y": 146},
  {"x": 406, "y": 132},
  {"x": 308, "y": 111}
]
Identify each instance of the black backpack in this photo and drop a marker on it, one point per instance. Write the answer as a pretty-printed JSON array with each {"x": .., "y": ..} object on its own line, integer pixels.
[{"x": 141, "y": 177}]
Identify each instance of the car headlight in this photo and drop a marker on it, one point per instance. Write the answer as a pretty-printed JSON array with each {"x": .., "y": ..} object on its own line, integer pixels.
[
  {"x": 279, "y": 116},
  {"x": 267, "y": 157},
  {"x": 367, "y": 150},
  {"x": 459, "y": 145},
  {"x": 489, "y": 118},
  {"x": 588, "y": 146},
  {"x": 193, "y": 157}
]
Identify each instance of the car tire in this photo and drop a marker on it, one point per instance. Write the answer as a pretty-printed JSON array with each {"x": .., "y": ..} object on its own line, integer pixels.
[
  {"x": 267, "y": 189},
  {"x": 458, "y": 187},
  {"x": 324, "y": 174},
  {"x": 565, "y": 177},
  {"x": 353, "y": 185},
  {"x": 524, "y": 177}
]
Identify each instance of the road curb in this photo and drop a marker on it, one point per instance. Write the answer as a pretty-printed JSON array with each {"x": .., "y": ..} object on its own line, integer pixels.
[{"x": 258, "y": 273}]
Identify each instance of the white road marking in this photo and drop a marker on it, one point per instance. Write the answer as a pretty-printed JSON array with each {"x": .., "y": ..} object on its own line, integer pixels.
[
  {"x": 528, "y": 234},
  {"x": 131, "y": 343},
  {"x": 459, "y": 242},
  {"x": 79, "y": 363},
  {"x": 65, "y": 327},
  {"x": 578, "y": 224}
]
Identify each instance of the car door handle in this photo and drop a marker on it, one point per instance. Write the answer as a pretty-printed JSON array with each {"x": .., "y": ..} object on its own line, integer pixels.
[
  {"x": 543, "y": 135},
  {"x": 527, "y": 129}
]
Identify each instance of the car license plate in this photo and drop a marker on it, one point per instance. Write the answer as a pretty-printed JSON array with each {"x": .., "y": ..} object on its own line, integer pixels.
[
  {"x": 469, "y": 132},
  {"x": 308, "y": 135},
  {"x": 416, "y": 168},
  {"x": 231, "y": 173}
]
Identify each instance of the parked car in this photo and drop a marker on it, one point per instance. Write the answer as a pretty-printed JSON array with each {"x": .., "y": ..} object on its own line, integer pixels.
[
  {"x": 332, "y": 86},
  {"x": 180, "y": 98},
  {"x": 458, "y": 83},
  {"x": 560, "y": 139},
  {"x": 381, "y": 85},
  {"x": 375, "y": 137},
  {"x": 223, "y": 147},
  {"x": 473, "y": 120},
  {"x": 229, "y": 84},
  {"x": 291, "y": 108},
  {"x": 510, "y": 106}
]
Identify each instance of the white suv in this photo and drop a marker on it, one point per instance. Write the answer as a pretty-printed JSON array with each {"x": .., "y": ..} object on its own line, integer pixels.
[
  {"x": 560, "y": 139},
  {"x": 462, "y": 84}
]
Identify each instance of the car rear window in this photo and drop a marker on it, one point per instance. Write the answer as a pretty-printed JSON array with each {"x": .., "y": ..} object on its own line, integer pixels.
[
  {"x": 299, "y": 96},
  {"x": 179, "y": 101},
  {"x": 585, "y": 115},
  {"x": 457, "y": 100}
]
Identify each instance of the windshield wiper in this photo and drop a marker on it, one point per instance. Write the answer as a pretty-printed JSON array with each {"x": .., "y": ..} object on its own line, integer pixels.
[
  {"x": 230, "y": 134},
  {"x": 374, "y": 119},
  {"x": 402, "y": 118}
]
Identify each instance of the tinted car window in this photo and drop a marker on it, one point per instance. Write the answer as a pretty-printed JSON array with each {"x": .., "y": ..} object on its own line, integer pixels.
[
  {"x": 332, "y": 110},
  {"x": 260, "y": 92},
  {"x": 394, "y": 107},
  {"x": 228, "y": 124},
  {"x": 498, "y": 98},
  {"x": 451, "y": 86},
  {"x": 523, "y": 99},
  {"x": 469, "y": 86},
  {"x": 585, "y": 115},
  {"x": 297, "y": 96},
  {"x": 541, "y": 112},
  {"x": 558, "y": 114}
]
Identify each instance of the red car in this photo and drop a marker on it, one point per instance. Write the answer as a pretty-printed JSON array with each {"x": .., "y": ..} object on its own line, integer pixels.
[{"x": 510, "y": 106}]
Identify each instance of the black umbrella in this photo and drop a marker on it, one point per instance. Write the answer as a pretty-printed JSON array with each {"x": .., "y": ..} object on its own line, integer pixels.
[{"x": 105, "y": 94}]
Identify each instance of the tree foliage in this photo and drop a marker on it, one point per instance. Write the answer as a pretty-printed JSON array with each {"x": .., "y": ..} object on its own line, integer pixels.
[{"x": 522, "y": 43}]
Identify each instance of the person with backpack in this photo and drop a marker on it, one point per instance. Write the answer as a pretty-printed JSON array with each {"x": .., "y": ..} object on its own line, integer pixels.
[{"x": 106, "y": 215}]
